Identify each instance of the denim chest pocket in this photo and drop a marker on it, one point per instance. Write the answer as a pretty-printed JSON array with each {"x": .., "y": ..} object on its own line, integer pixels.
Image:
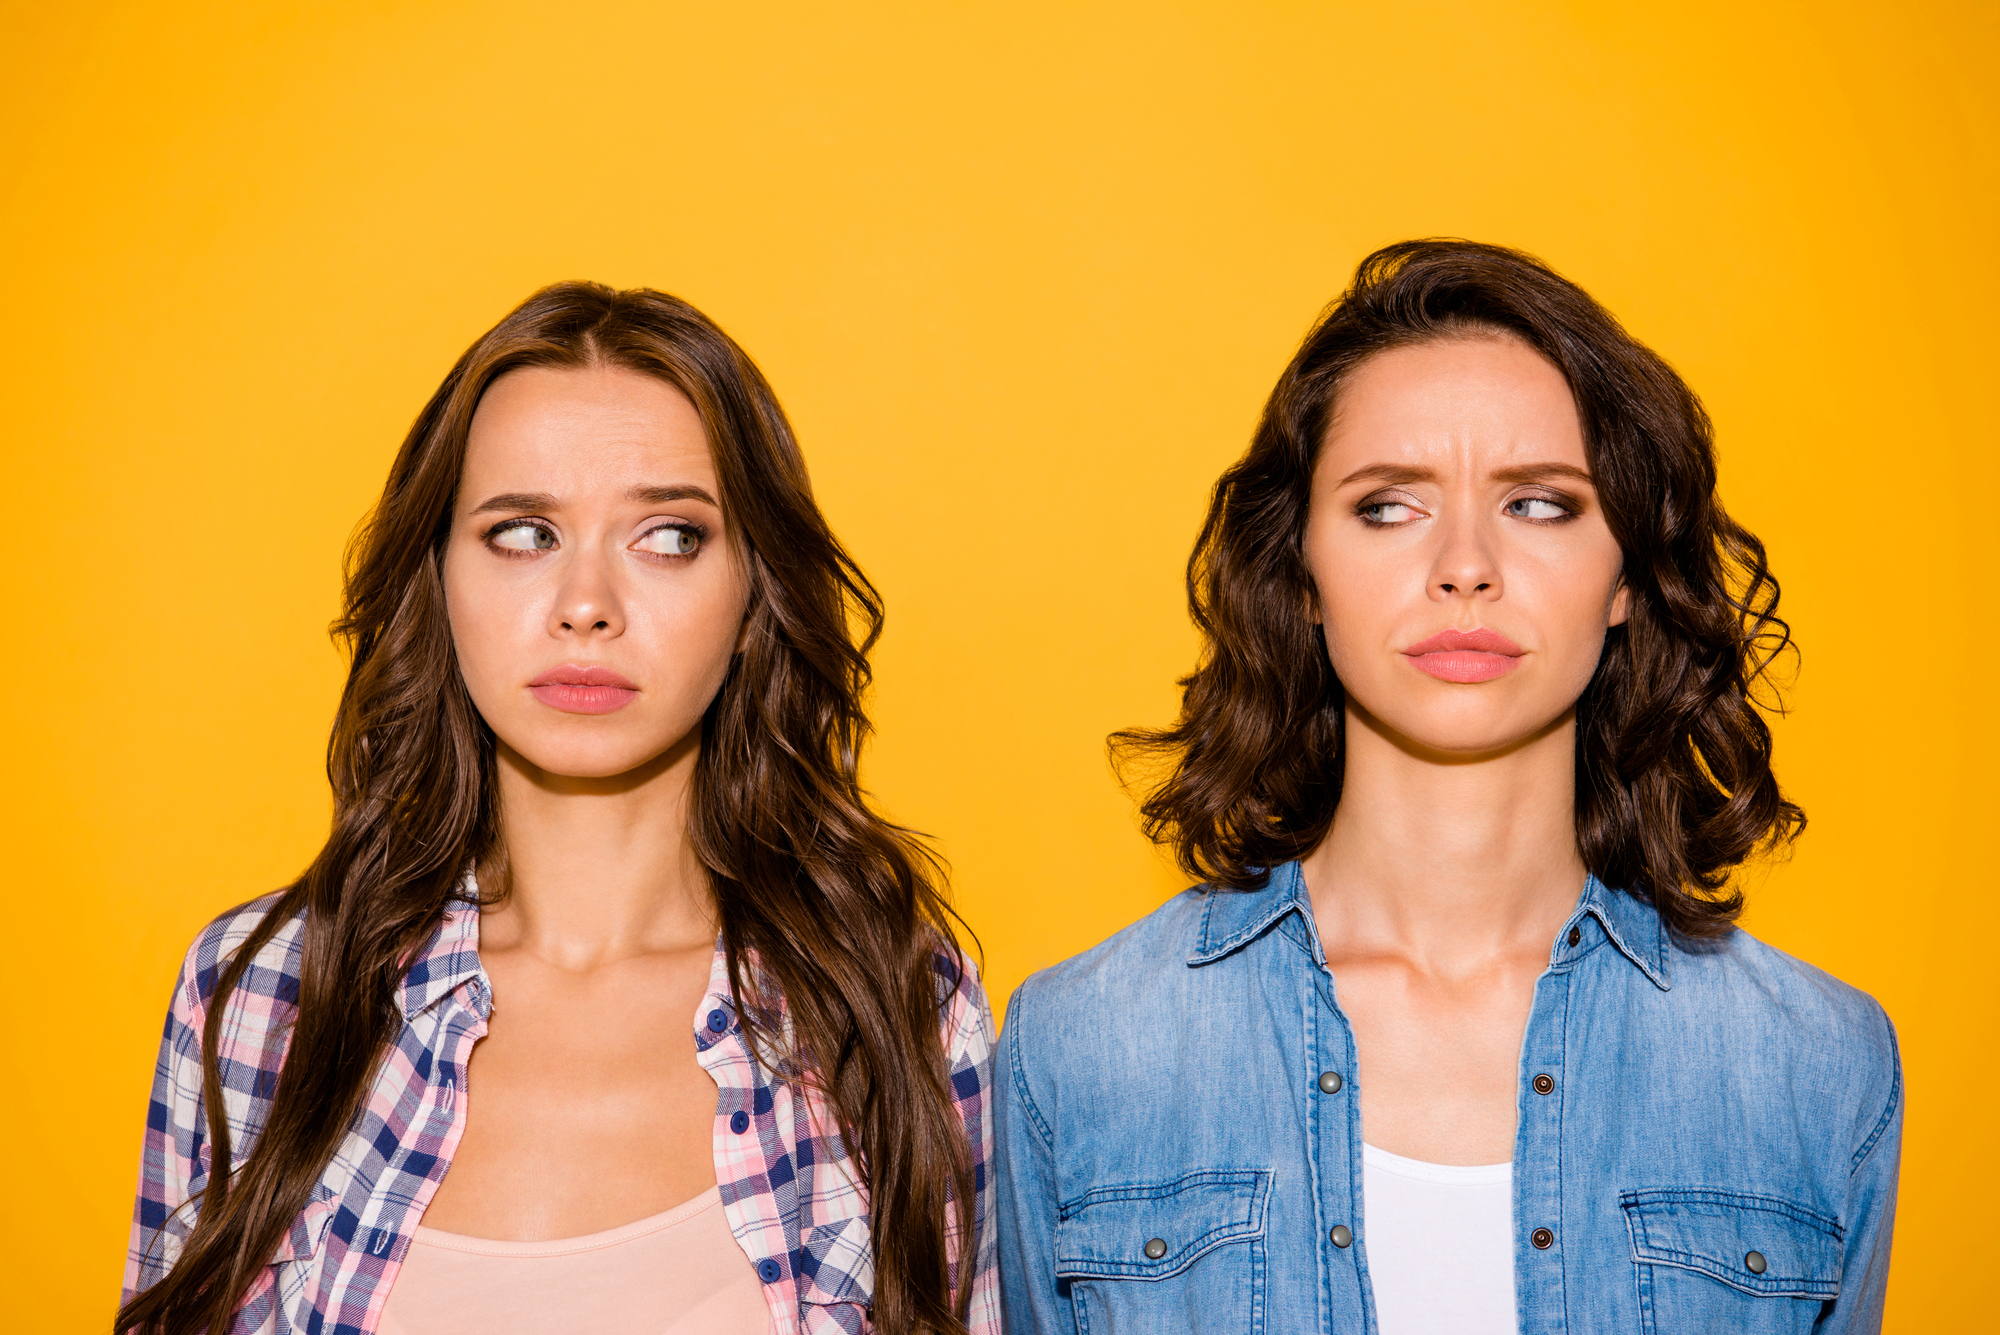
[
  {"x": 1713, "y": 1260},
  {"x": 1183, "y": 1255}
]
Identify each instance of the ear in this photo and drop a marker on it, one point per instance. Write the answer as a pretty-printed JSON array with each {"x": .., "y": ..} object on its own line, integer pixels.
[{"x": 1621, "y": 603}]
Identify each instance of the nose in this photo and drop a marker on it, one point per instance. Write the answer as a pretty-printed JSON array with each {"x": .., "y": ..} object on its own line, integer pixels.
[
  {"x": 1464, "y": 565},
  {"x": 587, "y": 604}
]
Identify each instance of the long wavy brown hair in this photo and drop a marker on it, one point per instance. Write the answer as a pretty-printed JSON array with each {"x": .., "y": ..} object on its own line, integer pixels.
[
  {"x": 1674, "y": 784},
  {"x": 825, "y": 907}
]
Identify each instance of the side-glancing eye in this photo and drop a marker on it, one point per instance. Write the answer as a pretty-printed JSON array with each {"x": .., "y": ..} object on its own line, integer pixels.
[
  {"x": 1537, "y": 507},
  {"x": 670, "y": 540},
  {"x": 1381, "y": 514},
  {"x": 523, "y": 535}
]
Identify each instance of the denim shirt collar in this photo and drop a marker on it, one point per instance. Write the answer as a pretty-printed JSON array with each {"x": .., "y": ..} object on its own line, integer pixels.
[{"x": 1234, "y": 918}]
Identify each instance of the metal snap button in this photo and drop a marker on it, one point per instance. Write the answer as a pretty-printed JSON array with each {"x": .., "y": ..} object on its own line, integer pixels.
[
  {"x": 1341, "y": 1236},
  {"x": 1544, "y": 1084},
  {"x": 1329, "y": 1082},
  {"x": 1156, "y": 1249},
  {"x": 1543, "y": 1239},
  {"x": 1754, "y": 1262}
]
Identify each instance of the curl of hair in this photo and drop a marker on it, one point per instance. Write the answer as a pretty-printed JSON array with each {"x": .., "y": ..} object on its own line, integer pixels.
[
  {"x": 1674, "y": 784},
  {"x": 834, "y": 925}
]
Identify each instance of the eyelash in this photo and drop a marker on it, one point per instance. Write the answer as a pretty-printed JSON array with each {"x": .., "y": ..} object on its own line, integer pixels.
[
  {"x": 699, "y": 532},
  {"x": 493, "y": 535},
  {"x": 1569, "y": 509}
]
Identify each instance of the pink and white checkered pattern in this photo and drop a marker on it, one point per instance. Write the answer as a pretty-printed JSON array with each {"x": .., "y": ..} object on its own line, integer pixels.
[{"x": 787, "y": 1184}]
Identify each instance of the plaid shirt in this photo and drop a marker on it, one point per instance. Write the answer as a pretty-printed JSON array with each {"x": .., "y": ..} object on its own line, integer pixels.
[{"x": 788, "y": 1186}]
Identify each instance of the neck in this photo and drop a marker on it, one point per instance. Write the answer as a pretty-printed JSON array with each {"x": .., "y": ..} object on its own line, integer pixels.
[
  {"x": 599, "y": 870},
  {"x": 1449, "y": 860}
]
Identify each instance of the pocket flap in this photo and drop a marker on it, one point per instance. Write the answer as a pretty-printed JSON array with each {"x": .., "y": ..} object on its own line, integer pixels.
[
  {"x": 1716, "y": 1232},
  {"x": 1107, "y": 1232},
  {"x": 838, "y": 1264}
]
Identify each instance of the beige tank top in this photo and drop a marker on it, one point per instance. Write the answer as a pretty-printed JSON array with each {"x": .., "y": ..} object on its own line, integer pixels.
[{"x": 678, "y": 1273}]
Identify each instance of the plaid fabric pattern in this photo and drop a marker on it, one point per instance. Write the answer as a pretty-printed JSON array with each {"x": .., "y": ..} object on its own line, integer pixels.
[{"x": 787, "y": 1185}]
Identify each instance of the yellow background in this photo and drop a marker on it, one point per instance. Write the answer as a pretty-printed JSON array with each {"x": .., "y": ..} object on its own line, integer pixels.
[{"x": 1022, "y": 273}]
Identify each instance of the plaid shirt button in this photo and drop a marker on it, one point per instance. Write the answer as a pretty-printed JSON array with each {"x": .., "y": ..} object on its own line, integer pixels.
[
  {"x": 768, "y": 1271},
  {"x": 717, "y": 1021},
  {"x": 739, "y": 1122}
]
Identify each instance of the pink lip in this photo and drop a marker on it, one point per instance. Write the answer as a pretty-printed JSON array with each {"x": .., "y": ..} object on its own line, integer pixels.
[
  {"x": 583, "y": 690},
  {"x": 1466, "y": 655}
]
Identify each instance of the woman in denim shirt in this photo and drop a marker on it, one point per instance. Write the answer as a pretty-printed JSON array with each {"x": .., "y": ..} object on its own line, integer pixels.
[{"x": 1457, "y": 1034}]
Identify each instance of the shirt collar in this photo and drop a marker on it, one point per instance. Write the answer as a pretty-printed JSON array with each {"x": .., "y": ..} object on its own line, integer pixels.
[
  {"x": 451, "y": 958},
  {"x": 1233, "y": 918},
  {"x": 1630, "y": 923}
]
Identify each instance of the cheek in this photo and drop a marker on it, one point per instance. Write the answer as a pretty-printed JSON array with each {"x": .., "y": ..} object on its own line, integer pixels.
[
  {"x": 482, "y": 622},
  {"x": 1358, "y": 601},
  {"x": 1575, "y": 602}
]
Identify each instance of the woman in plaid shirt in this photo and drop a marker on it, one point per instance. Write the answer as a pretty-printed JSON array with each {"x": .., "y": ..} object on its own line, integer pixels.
[{"x": 600, "y": 870}]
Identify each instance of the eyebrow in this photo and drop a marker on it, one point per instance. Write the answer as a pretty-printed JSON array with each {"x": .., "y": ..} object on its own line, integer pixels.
[
  {"x": 522, "y": 502},
  {"x": 1394, "y": 474}
]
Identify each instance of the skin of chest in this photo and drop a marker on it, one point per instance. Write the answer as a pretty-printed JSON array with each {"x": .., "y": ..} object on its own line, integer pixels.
[
  {"x": 1439, "y": 1055},
  {"x": 585, "y": 1106}
]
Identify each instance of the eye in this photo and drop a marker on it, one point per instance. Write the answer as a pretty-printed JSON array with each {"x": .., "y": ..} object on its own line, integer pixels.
[
  {"x": 1537, "y": 507},
  {"x": 1383, "y": 513},
  {"x": 670, "y": 540},
  {"x": 523, "y": 535}
]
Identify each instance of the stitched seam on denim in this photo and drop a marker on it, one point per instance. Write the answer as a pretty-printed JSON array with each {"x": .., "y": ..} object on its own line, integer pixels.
[
  {"x": 1775, "y": 1288},
  {"x": 1895, "y": 1100},
  {"x": 1153, "y": 1191},
  {"x": 1642, "y": 1196},
  {"x": 1012, "y": 1035},
  {"x": 1165, "y": 1268},
  {"x": 1257, "y": 1286},
  {"x": 1643, "y": 1282},
  {"x": 1250, "y": 1229}
]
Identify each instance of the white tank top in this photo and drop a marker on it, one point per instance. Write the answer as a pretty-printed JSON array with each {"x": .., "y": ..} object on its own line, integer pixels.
[
  {"x": 677, "y": 1273},
  {"x": 1440, "y": 1243}
]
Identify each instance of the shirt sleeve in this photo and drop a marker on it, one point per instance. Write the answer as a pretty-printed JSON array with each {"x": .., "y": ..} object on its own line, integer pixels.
[
  {"x": 173, "y": 1165},
  {"x": 969, "y": 1050},
  {"x": 1871, "y": 1212},
  {"x": 1027, "y": 1197}
]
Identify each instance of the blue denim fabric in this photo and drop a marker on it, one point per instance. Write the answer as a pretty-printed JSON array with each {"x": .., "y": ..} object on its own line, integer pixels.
[{"x": 1170, "y": 1160}]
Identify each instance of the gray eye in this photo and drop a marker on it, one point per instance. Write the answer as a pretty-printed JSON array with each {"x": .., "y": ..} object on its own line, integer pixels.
[
  {"x": 524, "y": 538},
  {"x": 670, "y": 540},
  {"x": 1534, "y": 507}
]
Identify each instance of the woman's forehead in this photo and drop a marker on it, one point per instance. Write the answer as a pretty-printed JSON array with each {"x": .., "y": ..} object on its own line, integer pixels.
[{"x": 1484, "y": 403}]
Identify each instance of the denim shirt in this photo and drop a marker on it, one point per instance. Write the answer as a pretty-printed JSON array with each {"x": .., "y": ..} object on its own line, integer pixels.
[{"x": 1708, "y": 1133}]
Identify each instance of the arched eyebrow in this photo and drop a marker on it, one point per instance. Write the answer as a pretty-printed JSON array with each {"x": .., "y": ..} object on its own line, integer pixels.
[
  {"x": 529, "y": 502},
  {"x": 665, "y": 495},
  {"x": 1399, "y": 474},
  {"x": 1548, "y": 472},
  {"x": 1391, "y": 474}
]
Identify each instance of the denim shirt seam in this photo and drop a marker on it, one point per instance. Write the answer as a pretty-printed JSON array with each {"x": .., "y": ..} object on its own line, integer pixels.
[
  {"x": 1012, "y": 1036},
  {"x": 1861, "y": 1156}
]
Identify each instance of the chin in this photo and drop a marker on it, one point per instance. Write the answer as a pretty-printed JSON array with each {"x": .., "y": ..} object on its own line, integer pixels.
[
  {"x": 1470, "y": 731},
  {"x": 586, "y": 758}
]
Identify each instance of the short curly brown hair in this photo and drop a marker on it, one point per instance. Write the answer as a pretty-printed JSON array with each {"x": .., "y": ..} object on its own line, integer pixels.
[{"x": 1674, "y": 783}]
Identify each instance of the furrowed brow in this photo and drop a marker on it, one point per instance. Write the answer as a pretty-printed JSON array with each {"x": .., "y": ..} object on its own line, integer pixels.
[
  {"x": 1390, "y": 473},
  {"x": 1548, "y": 472},
  {"x": 665, "y": 495},
  {"x": 516, "y": 502}
]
